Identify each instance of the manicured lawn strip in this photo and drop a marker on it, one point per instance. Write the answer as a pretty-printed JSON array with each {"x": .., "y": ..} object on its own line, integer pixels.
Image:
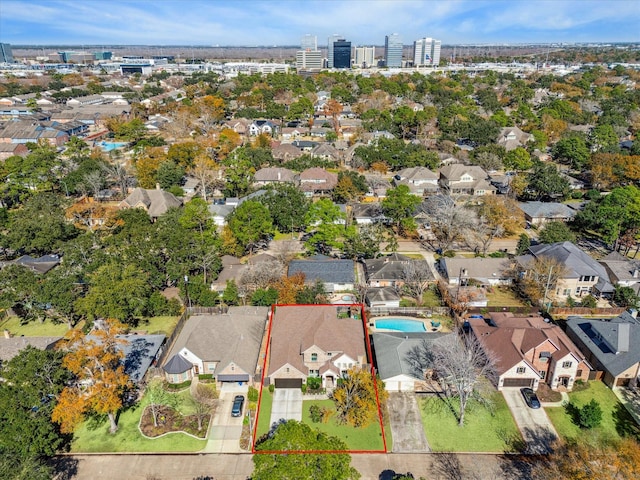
[
  {"x": 482, "y": 431},
  {"x": 504, "y": 297},
  {"x": 264, "y": 420},
  {"x": 159, "y": 325},
  {"x": 34, "y": 328},
  {"x": 616, "y": 420},
  {"x": 431, "y": 299},
  {"x": 94, "y": 436},
  {"x": 369, "y": 438}
]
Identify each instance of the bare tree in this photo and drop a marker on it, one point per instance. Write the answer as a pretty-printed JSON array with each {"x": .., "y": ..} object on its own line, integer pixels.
[
  {"x": 202, "y": 403},
  {"x": 449, "y": 222},
  {"x": 416, "y": 276},
  {"x": 94, "y": 182},
  {"x": 261, "y": 275},
  {"x": 483, "y": 234},
  {"x": 206, "y": 171},
  {"x": 286, "y": 251},
  {"x": 461, "y": 363},
  {"x": 117, "y": 173},
  {"x": 539, "y": 277}
]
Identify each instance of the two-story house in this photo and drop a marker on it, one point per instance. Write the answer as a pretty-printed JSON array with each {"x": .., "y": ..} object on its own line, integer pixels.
[
  {"x": 317, "y": 181},
  {"x": 458, "y": 179},
  {"x": 512, "y": 137},
  {"x": 262, "y": 126},
  {"x": 420, "y": 180},
  {"x": 529, "y": 351},
  {"x": 315, "y": 341}
]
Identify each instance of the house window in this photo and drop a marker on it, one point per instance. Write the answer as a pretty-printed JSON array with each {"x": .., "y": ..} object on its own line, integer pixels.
[
  {"x": 543, "y": 374},
  {"x": 211, "y": 368},
  {"x": 314, "y": 357},
  {"x": 329, "y": 354},
  {"x": 579, "y": 374},
  {"x": 566, "y": 364},
  {"x": 521, "y": 370},
  {"x": 287, "y": 369},
  {"x": 566, "y": 292}
]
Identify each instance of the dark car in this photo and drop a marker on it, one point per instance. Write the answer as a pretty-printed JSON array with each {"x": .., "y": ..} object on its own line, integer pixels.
[
  {"x": 236, "y": 410},
  {"x": 530, "y": 397}
]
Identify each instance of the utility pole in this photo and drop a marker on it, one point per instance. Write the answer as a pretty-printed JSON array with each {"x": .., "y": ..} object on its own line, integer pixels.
[
  {"x": 186, "y": 290},
  {"x": 546, "y": 289}
]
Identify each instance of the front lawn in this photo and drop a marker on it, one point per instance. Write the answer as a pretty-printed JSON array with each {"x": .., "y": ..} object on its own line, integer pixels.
[
  {"x": 368, "y": 438},
  {"x": 34, "y": 328},
  {"x": 483, "y": 430},
  {"x": 264, "y": 419},
  {"x": 93, "y": 435},
  {"x": 159, "y": 325},
  {"x": 616, "y": 420}
]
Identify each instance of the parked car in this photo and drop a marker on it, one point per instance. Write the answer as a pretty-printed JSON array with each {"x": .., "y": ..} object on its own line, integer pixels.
[
  {"x": 236, "y": 410},
  {"x": 530, "y": 397}
]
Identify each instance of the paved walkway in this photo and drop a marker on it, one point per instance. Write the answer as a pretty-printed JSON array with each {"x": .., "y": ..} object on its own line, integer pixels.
[{"x": 534, "y": 424}]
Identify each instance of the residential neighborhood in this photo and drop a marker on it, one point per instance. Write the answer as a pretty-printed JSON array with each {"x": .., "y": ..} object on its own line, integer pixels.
[{"x": 258, "y": 260}]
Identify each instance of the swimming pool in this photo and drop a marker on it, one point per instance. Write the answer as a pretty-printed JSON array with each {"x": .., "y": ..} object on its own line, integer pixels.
[
  {"x": 400, "y": 325},
  {"x": 108, "y": 146}
]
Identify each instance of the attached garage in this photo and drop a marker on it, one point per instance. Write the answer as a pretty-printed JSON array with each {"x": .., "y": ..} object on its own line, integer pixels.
[
  {"x": 288, "y": 383},
  {"x": 518, "y": 382},
  {"x": 233, "y": 378}
]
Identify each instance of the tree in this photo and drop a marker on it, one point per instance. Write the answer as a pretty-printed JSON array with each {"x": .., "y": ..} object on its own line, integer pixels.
[
  {"x": 159, "y": 397},
  {"x": 524, "y": 242},
  {"x": 169, "y": 174},
  {"x": 100, "y": 379},
  {"x": 288, "y": 207},
  {"x": 202, "y": 403},
  {"x": 545, "y": 182},
  {"x": 416, "y": 276},
  {"x": 292, "y": 436},
  {"x": 449, "y": 223},
  {"x": 333, "y": 109},
  {"x": 230, "y": 295},
  {"x": 250, "y": 222},
  {"x": 518, "y": 159},
  {"x": 364, "y": 241},
  {"x": 400, "y": 206},
  {"x": 355, "y": 398},
  {"x": 572, "y": 150},
  {"x": 32, "y": 381},
  {"x": 553, "y": 232},
  {"x": 328, "y": 221},
  {"x": 206, "y": 171},
  {"x": 460, "y": 362},
  {"x": 539, "y": 276},
  {"x": 289, "y": 287},
  {"x": 626, "y": 297}
]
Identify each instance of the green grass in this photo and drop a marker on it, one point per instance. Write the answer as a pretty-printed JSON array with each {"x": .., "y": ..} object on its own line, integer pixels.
[
  {"x": 368, "y": 438},
  {"x": 483, "y": 431},
  {"x": 164, "y": 324},
  {"x": 431, "y": 299},
  {"x": 93, "y": 435},
  {"x": 616, "y": 420},
  {"x": 504, "y": 297},
  {"x": 34, "y": 328},
  {"x": 264, "y": 420}
]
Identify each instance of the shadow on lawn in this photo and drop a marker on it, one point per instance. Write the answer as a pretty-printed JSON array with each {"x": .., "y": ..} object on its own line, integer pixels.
[{"x": 626, "y": 425}]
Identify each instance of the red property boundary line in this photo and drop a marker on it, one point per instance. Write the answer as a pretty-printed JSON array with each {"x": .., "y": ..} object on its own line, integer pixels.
[{"x": 375, "y": 386}]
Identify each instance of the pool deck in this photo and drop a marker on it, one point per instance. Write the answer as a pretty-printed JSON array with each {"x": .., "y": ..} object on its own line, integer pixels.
[{"x": 425, "y": 321}]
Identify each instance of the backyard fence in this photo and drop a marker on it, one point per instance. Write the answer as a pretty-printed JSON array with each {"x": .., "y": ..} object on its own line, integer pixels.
[{"x": 407, "y": 311}]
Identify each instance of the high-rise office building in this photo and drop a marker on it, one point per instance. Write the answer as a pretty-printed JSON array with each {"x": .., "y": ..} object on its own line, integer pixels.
[
  {"x": 341, "y": 54},
  {"x": 333, "y": 38},
  {"x": 393, "y": 50},
  {"x": 309, "y": 42},
  {"x": 365, "y": 57},
  {"x": 309, "y": 59},
  {"x": 6, "y": 56},
  {"x": 426, "y": 52}
]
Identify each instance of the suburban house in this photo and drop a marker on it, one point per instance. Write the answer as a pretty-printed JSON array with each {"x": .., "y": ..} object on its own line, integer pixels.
[
  {"x": 392, "y": 270},
  {"x": 420, "y": 180},
  {"x": 385, "y": 297},
  {"x": 582, "y": 274},
  {"x": 539, "y": 213},
  {"x": 140, "y": 353},
  {"x": 232, "y": 268},
  {"x": 155, "y": 202},
  {"x": 512, "y": 137},
  {"x": 326, "y": 152},
  {"x": 286, "y": 152},
  {"x": 529, "y": 350},
  {"x": 612, "y": 346},
  {"x": 11, "y": 346},
  {"x": 458, "y": 179},
  {"x": 396, "y": 361},
  {"x": 258, "y": 127},
  {"x": 317, "y": 181},
  {"x": 336, "y": 275},
  {"x": 368, "y": 213},
  {"x": 10, "y": 149},
  {"x": 25, "y": 132},
  {"x": 315, "y": 341},
  {"x": 622, "y": 271},
  {"x": 273, "y": 175},
  {"x": 36, "y": 264},
  {"x": 224, "y": 345},
  {"x": 487, "y": 272}
]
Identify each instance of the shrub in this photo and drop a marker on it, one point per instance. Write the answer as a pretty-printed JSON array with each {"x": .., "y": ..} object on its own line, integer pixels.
[
  {"x": 589, "y": 302},
  {"x": 314, "y": 383},
  {"x": 178, "y": 386},
  {"x": 303, "y": 387},
  {"x": 252, "y": 394},
  {"x": 272, "y": 387},
  {"x": 449, "y": 254},
  {"x": 590, "y": 415},
  {"x": 205, "y": 376},
  {"x": 315, "y": 413}
]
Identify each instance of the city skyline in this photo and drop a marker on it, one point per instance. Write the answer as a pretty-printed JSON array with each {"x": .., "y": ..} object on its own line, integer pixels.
[{"x": 253, "y": 23}]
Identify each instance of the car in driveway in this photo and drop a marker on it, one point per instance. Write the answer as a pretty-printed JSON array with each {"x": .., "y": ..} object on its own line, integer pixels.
[
  {"x": 530, "y": 397},
  {"x": 236, "y": 409}
]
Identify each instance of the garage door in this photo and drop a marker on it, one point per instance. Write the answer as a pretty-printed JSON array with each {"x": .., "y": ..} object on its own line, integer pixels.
[
  {"x": 518, "y": 382},
  {"x": 288, "y": 382}
]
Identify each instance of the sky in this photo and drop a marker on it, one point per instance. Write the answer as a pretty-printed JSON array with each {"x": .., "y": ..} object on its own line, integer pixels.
[{"x": 283, "y": 22}]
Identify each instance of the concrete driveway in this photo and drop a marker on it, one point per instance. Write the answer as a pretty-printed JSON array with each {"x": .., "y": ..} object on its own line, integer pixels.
[
  {"x": 534, "y": 424},
  {"x": 225, "y": 431},
  {"x": 406, "y": 423},
  {"x": 287, "y": 404}
]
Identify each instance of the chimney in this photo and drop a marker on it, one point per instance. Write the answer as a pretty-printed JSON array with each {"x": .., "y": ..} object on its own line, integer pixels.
[{"x": 624, "y": 330}]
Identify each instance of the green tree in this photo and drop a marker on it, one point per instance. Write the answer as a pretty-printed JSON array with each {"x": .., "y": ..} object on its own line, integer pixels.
[
  {"x": 230, "y": 295},
  {"x": 294, "y": 436},
  {"x": 524, "y": 242},
  {"x": 32, "y": 381},
  {"x": 288, "y": 207},
  {"x": 518, "y": 159},
  {"x": 626, "y": 297},
  {"x": 603, "y": 137},
  {"x": 400, "y": 205},
  {"x": 169, "y": 174},
  {"x": 553, "y": 232},
  {"x": 364, "y": 241},
  {"x": 546, "y": 183},
  {"x": 250, "y": 222},
  {"x": 264, "y": 297},
  {"x": 328, "y": 220},
  {"x": 572, "y": 150},
  {"x": 590, "y": 415}
]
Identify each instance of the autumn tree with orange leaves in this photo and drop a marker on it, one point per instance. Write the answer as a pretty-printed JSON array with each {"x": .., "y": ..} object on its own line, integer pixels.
[
  {"x": 100, "y": 379},
  {"x": 333, "y": 109},
  {"x": 289, "y": 287}
]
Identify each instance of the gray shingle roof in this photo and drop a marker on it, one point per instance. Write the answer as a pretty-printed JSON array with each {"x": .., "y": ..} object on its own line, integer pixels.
[
  {"x": 551, "y": 210},
  {"x": 599, "y": 336},
  {"x": 177, "y": 364},
  {"x": 324, "y": 269}
]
